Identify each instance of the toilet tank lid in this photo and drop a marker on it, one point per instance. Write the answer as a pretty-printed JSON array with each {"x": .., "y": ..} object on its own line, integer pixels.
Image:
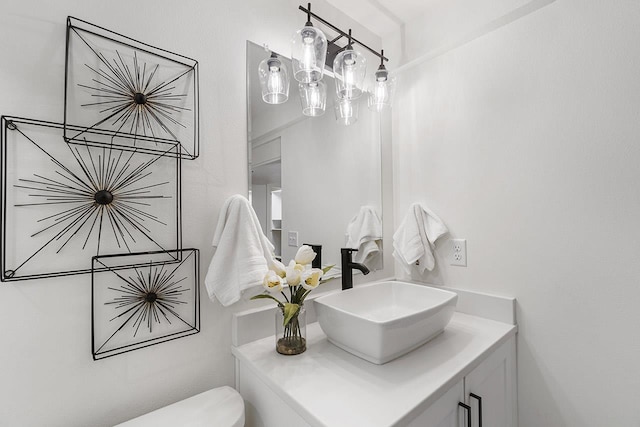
[{"x": 221, "y": 406}]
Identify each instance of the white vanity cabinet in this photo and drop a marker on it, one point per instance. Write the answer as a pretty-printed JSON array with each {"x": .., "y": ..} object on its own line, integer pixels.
[
  {"x": 488, "y": 391},
  {"x": 444, "y": 412},
  {"x": 491, "y": 389},
  {"x": 328, "y": 387}
]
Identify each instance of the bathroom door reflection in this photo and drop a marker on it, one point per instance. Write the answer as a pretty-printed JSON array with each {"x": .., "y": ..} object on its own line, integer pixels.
[{"x": 266, "y": 197}]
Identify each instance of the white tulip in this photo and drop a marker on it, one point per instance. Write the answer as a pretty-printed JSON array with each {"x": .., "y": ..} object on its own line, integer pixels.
[
  {"x": 299, "y": 267},
  {"x": 278, "y": 268},
  {"x": 272, "y": 282},
  {"x": 311, "y": 278},
  {"x": 305, "y": 255},
  {"x": 294, "y": 273}
]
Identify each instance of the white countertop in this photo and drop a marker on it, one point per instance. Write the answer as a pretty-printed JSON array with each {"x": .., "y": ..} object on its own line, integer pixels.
[{"x": 330, "y": 387}]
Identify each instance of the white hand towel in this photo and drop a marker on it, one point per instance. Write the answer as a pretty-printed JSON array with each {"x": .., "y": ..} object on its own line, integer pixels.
[
  {"x": 242, "y": 252},
  {"x": 414, "y": 239},
  {"x": 365, "y": 234}
]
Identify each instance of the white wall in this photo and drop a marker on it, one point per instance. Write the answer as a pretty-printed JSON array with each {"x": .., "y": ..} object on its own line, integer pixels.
[
  {"x": 525, "y": 141},
  {"x": 48, "y": 376}
]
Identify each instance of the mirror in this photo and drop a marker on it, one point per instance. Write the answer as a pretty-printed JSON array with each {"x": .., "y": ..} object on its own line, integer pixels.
[{"x": 309, "y": 175}]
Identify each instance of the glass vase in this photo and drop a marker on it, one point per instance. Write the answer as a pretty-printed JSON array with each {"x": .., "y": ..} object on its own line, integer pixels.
[{"x": 291, "y": 338}]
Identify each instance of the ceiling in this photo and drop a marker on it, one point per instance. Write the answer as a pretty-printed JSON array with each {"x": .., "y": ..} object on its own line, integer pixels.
[
  {"x": 382, "y": 16},
  {"x": 411, "y": 29}
]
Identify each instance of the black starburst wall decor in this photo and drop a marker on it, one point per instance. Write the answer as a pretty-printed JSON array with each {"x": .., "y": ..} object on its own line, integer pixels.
[
  {"x": 100, "y": 193},
  {"x": 143, "y": 299},
  {"x": 64, "y": 203},
  {"x": 128, "y": 94}
]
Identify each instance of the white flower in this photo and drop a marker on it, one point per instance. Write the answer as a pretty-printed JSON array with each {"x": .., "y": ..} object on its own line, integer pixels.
[
  {"x": 278, "y": 268},
  {"x": 295, "y": 265},
  {"x": 305, "y": 255},
  {"x": 311, "y": 278},
  {"x": 272, "y": 282},
  {"x": 294, "y": 273}
]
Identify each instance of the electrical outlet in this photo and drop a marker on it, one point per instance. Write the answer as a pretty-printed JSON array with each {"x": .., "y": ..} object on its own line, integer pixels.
[
  {"x": 458, "y": 252},
  {"x": 293, "y": 238}
]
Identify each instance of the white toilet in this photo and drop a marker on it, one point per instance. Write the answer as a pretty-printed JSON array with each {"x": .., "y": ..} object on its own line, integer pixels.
[{"x": 218, "y": 407}]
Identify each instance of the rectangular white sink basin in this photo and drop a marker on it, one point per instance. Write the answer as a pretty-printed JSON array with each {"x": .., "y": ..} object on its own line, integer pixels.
[{"x": 382, "y": 321}]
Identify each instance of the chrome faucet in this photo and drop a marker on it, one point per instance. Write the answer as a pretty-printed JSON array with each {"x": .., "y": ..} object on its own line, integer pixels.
[{"x": 347, "y": 267}]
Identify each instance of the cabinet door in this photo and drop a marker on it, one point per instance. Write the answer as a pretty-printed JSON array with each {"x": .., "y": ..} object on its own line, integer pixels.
[
  {"x": 263, "y": 407},
  {"x": 494, "y": 384},
  {"x": 444, "y": 412}
]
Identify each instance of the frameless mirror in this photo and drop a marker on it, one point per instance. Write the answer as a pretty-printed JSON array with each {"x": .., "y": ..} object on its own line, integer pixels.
[{"x": 309, "y": 176}]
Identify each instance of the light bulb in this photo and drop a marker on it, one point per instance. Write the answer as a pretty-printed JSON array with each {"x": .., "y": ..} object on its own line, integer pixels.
[
  {"x": 349, "y": 68},
  {"x": 308, "y": 59},
  {"x": 349, "y": 75},
  {"x": 313, "y": 97},
  {"x": 274, "y": 80},
  {"x": 346, "y": 111},
  {"x": 381, "y": 92}
]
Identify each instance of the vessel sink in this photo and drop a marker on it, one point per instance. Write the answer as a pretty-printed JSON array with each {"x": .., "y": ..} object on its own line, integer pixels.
[{"x": 385, "y": 320}]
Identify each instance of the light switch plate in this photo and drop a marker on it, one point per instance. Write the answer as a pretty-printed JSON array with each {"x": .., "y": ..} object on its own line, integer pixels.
[{"x": 292, "y": 238}]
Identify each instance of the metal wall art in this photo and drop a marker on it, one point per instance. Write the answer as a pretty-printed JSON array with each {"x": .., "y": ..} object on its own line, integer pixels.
[
  {"x": 101, "y": 192},
  {"x": 64, "y": 203},
  {"x": 130, "y": 94},
  {"x": 138, "y": 300}
]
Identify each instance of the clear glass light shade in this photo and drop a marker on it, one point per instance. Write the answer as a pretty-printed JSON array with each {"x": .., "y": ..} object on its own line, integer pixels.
[
  {"x": 346, "y": 111},
  {"x": 381, "y": 91},
  {"x": 274, "y": 80},
  {"x": 349, "y": 68},
  {"x": 308, "y": 54},
  {"x": 313, "y": 97}
]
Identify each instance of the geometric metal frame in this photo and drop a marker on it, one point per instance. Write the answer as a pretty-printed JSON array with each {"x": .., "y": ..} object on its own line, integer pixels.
[
  {"x": 126, "y": 94},
  {"x": 128, "y": 221},
  {"x": 144, "y": 101},
  {"x": 146, "y": 292}
]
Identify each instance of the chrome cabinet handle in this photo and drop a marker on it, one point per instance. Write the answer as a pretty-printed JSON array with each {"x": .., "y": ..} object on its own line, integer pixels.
[
  {"x": 475, "y": 396},
  {"x": 467, "y": 408}
]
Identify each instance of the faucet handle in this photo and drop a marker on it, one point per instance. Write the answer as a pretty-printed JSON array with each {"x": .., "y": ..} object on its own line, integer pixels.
[{"x": 348, "y": 250}]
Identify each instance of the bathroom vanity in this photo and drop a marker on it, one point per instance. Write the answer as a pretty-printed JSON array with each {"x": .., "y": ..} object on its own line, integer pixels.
[{"x": 467, "y": 371}]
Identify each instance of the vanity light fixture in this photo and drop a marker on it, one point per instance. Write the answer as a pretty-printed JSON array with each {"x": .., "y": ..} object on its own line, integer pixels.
[
  {"x": 313, "y": 97},
  {"x": 274, "y": 80},
  {"x": 382, "y": 89},
  {"x": 308, "y": 52},
  {"x": 349, "y": 69},
  {"x": 309, "y": 57}
]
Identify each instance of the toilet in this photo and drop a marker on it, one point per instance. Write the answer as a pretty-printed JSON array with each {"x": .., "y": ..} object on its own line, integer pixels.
[{"x": 218, "y": 407}]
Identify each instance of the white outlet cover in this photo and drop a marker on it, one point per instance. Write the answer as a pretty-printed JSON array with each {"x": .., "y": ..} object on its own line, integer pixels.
[{"x": 458, "y": 252}]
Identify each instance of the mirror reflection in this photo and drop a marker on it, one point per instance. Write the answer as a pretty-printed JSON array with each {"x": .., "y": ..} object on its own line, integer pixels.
[{"x": 314, "y": 180}]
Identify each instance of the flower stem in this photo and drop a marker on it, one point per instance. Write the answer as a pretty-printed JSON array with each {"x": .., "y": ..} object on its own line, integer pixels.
[{"x": 285, "y": 296}]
